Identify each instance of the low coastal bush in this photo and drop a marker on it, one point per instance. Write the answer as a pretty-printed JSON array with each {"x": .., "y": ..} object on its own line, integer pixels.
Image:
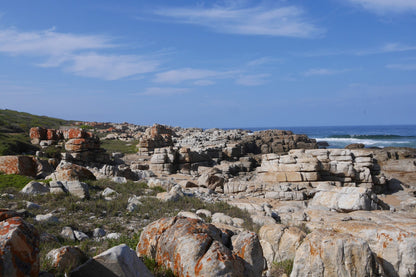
[
  {"x": 13, "y": 181},
  {"x": 119, "y": 146}
]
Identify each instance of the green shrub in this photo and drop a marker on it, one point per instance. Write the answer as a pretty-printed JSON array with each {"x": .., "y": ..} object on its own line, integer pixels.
[{"x": 155, "y": 269}]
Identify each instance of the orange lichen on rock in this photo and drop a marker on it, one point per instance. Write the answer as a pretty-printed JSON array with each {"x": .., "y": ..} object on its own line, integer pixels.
[{"x": 19, "y": 246}]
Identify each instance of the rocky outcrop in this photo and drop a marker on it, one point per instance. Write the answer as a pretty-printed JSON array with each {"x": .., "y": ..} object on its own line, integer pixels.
[
  {"x": 157, "y": 136},
  {"x": 22, "y": 165},
  {"x": 80, "y": 145},
  {"x": 276, "y": 141},
  {"x": 19, "y": 246},
  {"x": 192, "y": 248}
]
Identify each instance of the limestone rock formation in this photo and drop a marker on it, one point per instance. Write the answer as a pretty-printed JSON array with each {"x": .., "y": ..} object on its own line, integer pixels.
[{"x": 22, "y": 165}]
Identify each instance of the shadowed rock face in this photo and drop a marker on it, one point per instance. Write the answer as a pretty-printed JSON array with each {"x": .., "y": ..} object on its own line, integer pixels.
[
  {"x": 19, "y": 246},
  {"x": 192, "y": 248}
]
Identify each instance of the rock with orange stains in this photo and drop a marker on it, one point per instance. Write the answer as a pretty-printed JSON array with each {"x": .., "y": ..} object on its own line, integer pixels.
[
  {"x": 190, "y": 247},
  {"x": 19, "y": 246},
  {"x": 329, "y": 253},
  {"x": 22, "y": 165},
  {"x": 247, "y": 246},
  {"x": 67, "y": 257},
  {"x": 67, "y": 171}
]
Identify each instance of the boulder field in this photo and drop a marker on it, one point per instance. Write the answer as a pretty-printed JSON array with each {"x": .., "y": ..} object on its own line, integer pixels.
[{"x": 323, "y": 212}]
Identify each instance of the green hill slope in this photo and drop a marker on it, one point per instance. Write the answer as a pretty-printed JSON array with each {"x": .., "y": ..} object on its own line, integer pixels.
[{"x": 14, "y": 130}]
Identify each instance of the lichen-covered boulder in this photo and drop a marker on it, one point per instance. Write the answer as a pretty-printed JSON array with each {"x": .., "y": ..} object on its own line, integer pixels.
[
  {"x": 19, "y": 246},
  {"x": 67, "y": 171},
  {"x": 247, "y": 246},
  {"x": 190, "y": 248}
]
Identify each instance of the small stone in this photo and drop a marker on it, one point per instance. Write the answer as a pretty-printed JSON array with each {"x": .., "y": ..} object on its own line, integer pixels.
[{"x": 80, "y": 235}]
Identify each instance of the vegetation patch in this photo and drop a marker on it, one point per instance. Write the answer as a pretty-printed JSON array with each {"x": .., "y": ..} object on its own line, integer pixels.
[
  {"x": 282, "y": 267},
  {"x": 13, "y": 181},
  {"x": 126, "y": 147}
]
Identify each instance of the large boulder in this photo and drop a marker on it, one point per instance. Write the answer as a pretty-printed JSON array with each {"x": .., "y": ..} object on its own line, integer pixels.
[
  {"x": 22, "y": 165},
  {"x": 119, "y": 261},
  {"x": 328, "y": 253},
  {"x": 347, "y": 199},
  {"x": 67, "y": 171},
  {"x": 19, "y": 246},
  {"x": 192, "y": 248}
]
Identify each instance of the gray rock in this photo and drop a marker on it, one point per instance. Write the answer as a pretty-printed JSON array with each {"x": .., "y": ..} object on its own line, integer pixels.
[
  {"x": 68, "y": 233},
  {"x": 117, "y": 261},
  {"x": 47, "y": 218},
  {"x": 80, "y": 235},
  {"x": 31, "y": 205},
  {"x": 34, "y": 188},
  {"x": 67, "y": 257},
  {"x": 119, "y": 180},
  {"x": 98, "y": 233}
]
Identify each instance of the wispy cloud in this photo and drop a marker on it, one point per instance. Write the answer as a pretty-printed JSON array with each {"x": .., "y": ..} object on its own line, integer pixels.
[
  {"x": 392, "y": 47},
  {"x": 387, "y": 6},
  {"x": 324, "y": 71},
  {"x": 189, "y": 74},
  {"x": 155, "y": 91},
  {"x": 204, "y": 83},
  {"x": 75, "y": 53},
  {"x": 262, "y": 61},
  {"x": 406, "y": 67},
  {"x": 252, "y": 80},
  {"x": 233, "y": 18}
]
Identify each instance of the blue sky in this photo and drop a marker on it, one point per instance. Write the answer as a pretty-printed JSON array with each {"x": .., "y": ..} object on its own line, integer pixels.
[{"x": 231, "y": 63}]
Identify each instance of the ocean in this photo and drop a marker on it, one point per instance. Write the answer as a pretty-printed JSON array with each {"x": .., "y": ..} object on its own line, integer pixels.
[{"x": 370, "y": 136}]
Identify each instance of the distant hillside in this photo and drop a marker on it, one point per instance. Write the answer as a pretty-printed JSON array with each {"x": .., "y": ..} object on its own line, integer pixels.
[{"x": 14, "y": 130}]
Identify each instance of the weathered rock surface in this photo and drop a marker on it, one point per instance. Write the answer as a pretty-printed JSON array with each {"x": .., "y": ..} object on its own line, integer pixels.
[
  {"x": 67, "y": 171},
  {"x": 19, "y": 246},
  {"x": 348, "y": 199},
  {"x": 191, "y": 247},
  {"x": 328, "y": 253},
  {"x": 280, "y": 242}
]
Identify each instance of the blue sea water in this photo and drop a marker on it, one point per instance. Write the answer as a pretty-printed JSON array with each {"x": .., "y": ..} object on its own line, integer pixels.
[{"x": 370, "y": 136}]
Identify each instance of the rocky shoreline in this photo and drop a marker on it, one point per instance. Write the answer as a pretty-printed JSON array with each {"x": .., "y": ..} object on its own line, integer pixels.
[{"x": 325, "y": 212}]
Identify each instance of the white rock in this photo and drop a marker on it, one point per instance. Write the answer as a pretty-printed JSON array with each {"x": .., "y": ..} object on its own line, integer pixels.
[{"x": 34, "y": 188}]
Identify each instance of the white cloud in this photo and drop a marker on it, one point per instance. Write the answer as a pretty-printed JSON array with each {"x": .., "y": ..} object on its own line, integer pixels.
[
  {"x": 265, "y": 20},
  {"x": 387, "y": 6},
  {"x": 72, "y": 53},
  {"x": 323, "y": 72},
  {"x": 164, "y": 91},
  {"x": 188, "y": 74},
  {"x": 204, "y": 83},
  {"x": 262, "y": 60},
  {"x": 48, "y": 42},
  {"x": 406, "y": 67},
  {"x": 252, "y": 80},
  {"x": 110, "y": 67},
  {"x": 393, "y": 47}
]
